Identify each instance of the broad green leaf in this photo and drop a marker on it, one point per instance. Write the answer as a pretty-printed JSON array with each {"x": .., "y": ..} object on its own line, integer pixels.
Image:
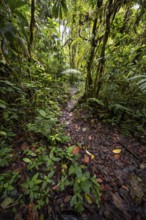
[
  {"x": 85, "y": 187},
  {"x": 73, "y": 200},
  {"x": 42, "y": 113},
  {"x": 71, "y": 170},
  {"x": 3, "y": 133},
  {"x": 16, "y": 4},
  {"x": 26, "y": 160}
]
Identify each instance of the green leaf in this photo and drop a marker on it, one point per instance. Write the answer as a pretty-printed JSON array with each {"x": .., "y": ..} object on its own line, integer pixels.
[
  {"x": 71, "y": 170},
  {"x": 85, "y": 186},
  {"x": 37, "y": 181},
  {"x": 3, "y": 104},
  {"x": 78, "y": 172},
  {"x": 16, "y": 4},
  {"x": 42, "y": 113},
  {"x": 26, "y": 160},
  {"x": 9, "y": 31},
  {"x": 73, "y": 200},
  {"x": 3, "y": 133},
  {"x": 7, "y": 201},
  {"x": 88, "y": 198},
  {"x": 35, "y": 176}
]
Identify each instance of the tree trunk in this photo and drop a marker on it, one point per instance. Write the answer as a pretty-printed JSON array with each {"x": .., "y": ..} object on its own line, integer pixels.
[
  {"x": 101, "y": 64},
  {"x": 31, "y": 29},
  {"x": 89, "y": 80}
]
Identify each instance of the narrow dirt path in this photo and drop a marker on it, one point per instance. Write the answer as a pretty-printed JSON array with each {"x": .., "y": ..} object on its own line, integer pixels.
[
  {"x": 122, "y": 175},
  {"x": 67, "y": 116}
]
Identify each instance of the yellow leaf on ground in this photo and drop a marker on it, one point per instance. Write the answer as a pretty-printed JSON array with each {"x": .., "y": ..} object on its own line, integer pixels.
[
  {"x": 88, "y": 152},
  {"x": 116, "y": 151},
  {"x": 91, "y": 155}
]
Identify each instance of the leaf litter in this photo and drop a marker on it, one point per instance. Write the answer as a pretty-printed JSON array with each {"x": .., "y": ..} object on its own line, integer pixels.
[{"x": 113, "y": 158}]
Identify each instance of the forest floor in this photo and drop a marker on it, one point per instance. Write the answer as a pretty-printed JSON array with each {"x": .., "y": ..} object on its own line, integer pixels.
[{"x": 119, "y": 163}]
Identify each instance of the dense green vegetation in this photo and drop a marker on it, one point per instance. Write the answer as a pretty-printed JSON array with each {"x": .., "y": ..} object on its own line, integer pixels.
[{"x": 45, "y": 48}]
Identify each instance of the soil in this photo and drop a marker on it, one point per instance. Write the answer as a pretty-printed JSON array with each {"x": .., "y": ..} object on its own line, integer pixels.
[{"x": 119, "y": 163}]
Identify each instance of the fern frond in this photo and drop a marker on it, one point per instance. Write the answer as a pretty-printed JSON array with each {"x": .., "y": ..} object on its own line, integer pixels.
[
  {"x": 71, "y": 71},
  {"x": 95, "y": 101}
]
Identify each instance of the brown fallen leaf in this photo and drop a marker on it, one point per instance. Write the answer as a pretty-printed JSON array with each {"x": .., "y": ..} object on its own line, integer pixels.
[
  {"x": 67, "y": 199},
  {"x": 117, "y": 156},
  {"x": 126, "y": 188},
  {"x": 78, "y": 128},
  {"x": 56, "y": 187},
  {"x": 90, "y": 138},
  {"x": 103, "y": 187},
  {"x": 99, "y": 180},
  {"x": 76, "y": 150},
  {"x": 86, "y": 158},
  {"x": 24, "y": 146}
]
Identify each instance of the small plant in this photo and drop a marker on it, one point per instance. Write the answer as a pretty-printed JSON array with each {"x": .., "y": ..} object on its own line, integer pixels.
[
  {"x": 85, "y": 187},
  {"x": 5, "y": 156},
  {"x": 8, "y": 181},
  {"x": 75, "y": 176},
  {"x": 71, "y": 174},
  {"x": 58, "y": 138},
  {"x": 44, "y": 123}
]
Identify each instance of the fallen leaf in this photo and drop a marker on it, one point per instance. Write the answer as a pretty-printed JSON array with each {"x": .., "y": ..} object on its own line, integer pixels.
[
  {"x": 76, "y": 150},
  {"x": 99, "y": 180},
  {"x": 86, "y": 158},
  {"x": 90, "y": 138},
  {"x": 56, "y": 187},
  {"x": 87, "y": 152},
  {"x": 91, "y": 155},
  {"x": 126, "y": 188},
  {"x": 24, "y": 146},
  {"x": 84, "y": 129},
  {"x": 103, "y": 187},
  {"x": 117, "y": 156},
  {"x": 76, "y": 126},
  {"x": 92, "y": 121},
  {"x": 116, "y": 151},
  {"x": 67, "y": 199}
]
